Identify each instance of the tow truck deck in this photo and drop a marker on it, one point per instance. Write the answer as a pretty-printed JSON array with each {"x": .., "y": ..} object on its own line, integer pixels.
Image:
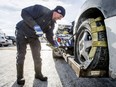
[
  {"x": 81, "y": 72},
  {"x": 89, "y": 66}
]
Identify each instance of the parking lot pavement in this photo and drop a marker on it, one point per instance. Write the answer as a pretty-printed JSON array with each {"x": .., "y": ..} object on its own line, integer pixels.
[{"x": 58, "y": 71}]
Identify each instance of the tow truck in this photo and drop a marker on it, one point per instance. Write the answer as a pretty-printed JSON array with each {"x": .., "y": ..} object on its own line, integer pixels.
[{"x": 90, "y": 46}]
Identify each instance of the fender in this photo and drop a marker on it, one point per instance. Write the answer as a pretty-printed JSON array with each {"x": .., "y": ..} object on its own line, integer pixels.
[{"x": 106, "y": 7}]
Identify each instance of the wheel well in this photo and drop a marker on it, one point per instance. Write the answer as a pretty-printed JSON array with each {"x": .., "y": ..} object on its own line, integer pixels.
[{"x": 90, "y": 13}]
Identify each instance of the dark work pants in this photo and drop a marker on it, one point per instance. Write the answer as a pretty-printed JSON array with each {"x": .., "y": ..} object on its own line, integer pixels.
[{"x": 35, "y": 46}]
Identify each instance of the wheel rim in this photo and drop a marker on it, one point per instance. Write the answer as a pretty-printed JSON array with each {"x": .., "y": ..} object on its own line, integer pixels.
[
  {"x": 59, "y": 52},
  {"x": 84, "y": 45}
]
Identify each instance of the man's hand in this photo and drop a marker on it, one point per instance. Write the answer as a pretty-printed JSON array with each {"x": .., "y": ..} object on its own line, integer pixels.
[
  {"x": 55, "y": 44},
  {"x": 38, "y": 30},
  {"x": 52, "y": 46}
]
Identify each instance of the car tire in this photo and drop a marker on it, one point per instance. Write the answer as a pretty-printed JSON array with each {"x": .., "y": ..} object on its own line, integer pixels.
[
  {"x": 91, "y": 50},
  {"x": 5, "y": 45},
  {"x": 0, "y": 45},
  {"x": 56, "y": 54},
  {"x": 14, "y": 43}
]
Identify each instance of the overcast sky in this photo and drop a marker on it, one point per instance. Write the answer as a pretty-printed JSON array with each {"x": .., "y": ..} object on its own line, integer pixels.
[{"x": 10, "y": 11}]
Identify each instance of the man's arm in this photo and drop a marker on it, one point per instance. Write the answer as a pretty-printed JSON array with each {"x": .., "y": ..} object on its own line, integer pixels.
[
  {"x": 49, "y": 36},
  {"x": 30, "y": 14}
]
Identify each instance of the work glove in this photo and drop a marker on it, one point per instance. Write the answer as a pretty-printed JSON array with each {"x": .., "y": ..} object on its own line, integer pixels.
[
  {"x": 55, "y": 44},
  {"x": 38, "y": 30},
  {"x": 51, "y": 46}
]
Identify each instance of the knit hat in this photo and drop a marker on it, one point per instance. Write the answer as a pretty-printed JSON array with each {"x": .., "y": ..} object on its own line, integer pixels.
[{"x": 60, "y": 10}]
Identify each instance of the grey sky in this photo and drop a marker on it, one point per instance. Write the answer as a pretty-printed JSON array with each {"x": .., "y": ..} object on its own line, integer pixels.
[{"x": 10, "y": 11}]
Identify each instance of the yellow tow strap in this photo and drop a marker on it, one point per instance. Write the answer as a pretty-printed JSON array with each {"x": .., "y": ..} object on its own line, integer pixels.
[{"x": 94, "y": 30}]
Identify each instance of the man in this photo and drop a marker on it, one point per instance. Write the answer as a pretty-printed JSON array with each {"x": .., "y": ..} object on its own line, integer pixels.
[{"x": 37, "y": 20}]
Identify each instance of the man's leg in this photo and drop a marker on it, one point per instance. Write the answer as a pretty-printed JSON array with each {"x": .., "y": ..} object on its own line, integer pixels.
[
  {"x": 36, "y": 48},
  {"x": 21, "y": 51}
]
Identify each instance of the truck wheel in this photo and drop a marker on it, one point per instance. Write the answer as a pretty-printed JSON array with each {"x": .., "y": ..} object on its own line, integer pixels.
[
  {"x": 14, "y": 43},
  {"x": 91, "y": 50},
  {"x": 58, "y": 54}
]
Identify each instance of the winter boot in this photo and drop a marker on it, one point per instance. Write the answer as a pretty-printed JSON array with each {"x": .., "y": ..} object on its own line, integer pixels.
[
  {"x": 41, "y": 77},
  {"x": 38, "y": 74},
  {"x": 20, "y": 79}
]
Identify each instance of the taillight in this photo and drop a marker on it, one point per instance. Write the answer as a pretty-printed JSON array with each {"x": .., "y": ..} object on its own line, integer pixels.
[{"x": 58, "y": 39}]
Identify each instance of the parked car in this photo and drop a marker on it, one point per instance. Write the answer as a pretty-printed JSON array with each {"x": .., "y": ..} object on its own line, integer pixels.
[
  {"x": 12, "y": 38},
  {"x": 4, "y": 41}
]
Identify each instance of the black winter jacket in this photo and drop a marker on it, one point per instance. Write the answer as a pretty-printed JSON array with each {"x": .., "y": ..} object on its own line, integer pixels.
[{"x": 36, "y": 15}]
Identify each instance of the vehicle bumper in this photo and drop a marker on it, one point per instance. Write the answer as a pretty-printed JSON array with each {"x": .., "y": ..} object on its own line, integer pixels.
[
  {"x": 65, "y": 41},
  {"x": 111, "y": 37},
  {"x": 3, "y": 43}
]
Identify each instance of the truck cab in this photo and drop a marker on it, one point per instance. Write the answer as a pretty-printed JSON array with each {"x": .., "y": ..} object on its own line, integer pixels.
[{"x": 62, "y": 38}]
